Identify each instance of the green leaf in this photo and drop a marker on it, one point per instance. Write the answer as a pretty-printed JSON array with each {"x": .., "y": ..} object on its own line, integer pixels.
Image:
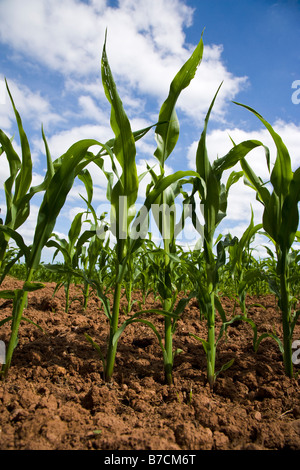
[
  {"x": 204, "y": 343},
  {"x": 14, "y": 166},
  {"x": 270, "y": 335},
  {"x": 235, "y": 155},
  {"x": 5, "y": 320},
  {"x": 203, "y": 165},
  {"x": 124, "y": 145},
  {"x": 55, "y": 196},
  {"x": 8, "y": 294},
  {"x": 32, "y": 286},
  {"x": 290, "y": 213},
  {"x": 75, "y": 230},
  {"x": 224, "y": 367},
  {"x": 281, "y": 175},
  {"x": 23, "y": 180},
  {"x": 85, "y": 176},
  {"x": 255, "y": 183},
  {"x": 97, "y": 348},
  {"x": 32, "y": 323},
  {"x": 50, "y": 166},
  {"x": 25, "y": 250},
  {"x": 167, "y": 135},
  {"x": 272, "y": 216},
  {"x": 220, "y": 309},
  {"x": 122, "y": 212}
]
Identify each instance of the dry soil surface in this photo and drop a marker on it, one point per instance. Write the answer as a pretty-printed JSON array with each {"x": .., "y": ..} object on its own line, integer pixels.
[{"x": 54, "y": 397}]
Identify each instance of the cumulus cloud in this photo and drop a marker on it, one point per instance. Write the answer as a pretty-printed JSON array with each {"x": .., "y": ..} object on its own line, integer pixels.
[
  {"x": 241, "y": 197},
  {"x": 32, "y": 107},
  {"x": 219, "y": 143},
  {"x": 146, "y": 47}
]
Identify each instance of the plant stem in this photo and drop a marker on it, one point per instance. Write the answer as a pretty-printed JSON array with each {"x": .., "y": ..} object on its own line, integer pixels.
[
  {"x": 286, "y": 315},
  {"x": 86, "y": 295},
  {"x": 67, "y": 295},
  {"x": 211, "y": 353},
  {"x": 18, "y": 308},
  {"x": 167, "y": 302},
  {"x": 112, "y": 348},
  {"x": 168, "y": 344}
]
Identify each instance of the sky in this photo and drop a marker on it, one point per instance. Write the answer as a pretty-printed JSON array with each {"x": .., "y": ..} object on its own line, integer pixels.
[{"x": 50, "y": 54}]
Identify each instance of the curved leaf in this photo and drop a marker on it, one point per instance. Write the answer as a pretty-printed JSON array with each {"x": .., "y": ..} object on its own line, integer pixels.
[{"x": 167, "y": 134}]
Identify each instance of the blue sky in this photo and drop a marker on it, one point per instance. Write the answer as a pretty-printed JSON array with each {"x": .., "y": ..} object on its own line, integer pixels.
[{"x": 50, "y": 53}]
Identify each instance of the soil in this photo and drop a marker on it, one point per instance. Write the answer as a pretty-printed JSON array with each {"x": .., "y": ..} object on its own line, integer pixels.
[{"x": 55, "y": 398}]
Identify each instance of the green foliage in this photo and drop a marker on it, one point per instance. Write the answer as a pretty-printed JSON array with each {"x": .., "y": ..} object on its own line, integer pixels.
[
  {"x": 280, "y": 222},
  {"x": 220, "y": 264}
]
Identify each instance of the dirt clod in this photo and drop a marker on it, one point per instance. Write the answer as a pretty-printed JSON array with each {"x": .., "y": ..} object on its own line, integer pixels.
[{"x": 54, "y": 397}]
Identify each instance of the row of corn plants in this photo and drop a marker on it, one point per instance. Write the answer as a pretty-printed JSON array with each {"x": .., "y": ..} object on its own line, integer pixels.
[{"x": 135, "y": 261}]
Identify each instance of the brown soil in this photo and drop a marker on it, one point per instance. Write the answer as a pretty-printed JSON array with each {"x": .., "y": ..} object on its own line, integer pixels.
[{"x": 54, "y": 397}]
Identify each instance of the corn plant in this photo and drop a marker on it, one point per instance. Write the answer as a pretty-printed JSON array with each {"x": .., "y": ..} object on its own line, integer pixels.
[
  {"x": 213, "y": 195},
  {"x": 166, "y": 137},
  {"x": 74, "y": 246},
  {"x": 58, "y": 181},
  {"x": 69, "y": 249},
  {"x": 94, "y": 258},
  {"x": 122, "y": 197},
  {"x": 280, "y": 222},
  {"x": 129, "y": 230},
  {"x": 239, "y": 263},
  {"x": 67, "y": 168},
  {"x": 145, "y": 271},
  {"x": 18, "y": 189}
]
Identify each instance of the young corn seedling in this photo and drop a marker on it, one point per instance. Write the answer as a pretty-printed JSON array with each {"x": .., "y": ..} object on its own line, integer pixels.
[
  {"x": 280, "y": 222},
  {"x": 94, "y": 258},
  {"x": 74, "y": 245},
  {"x": 213, "y": 195},
  {"x": 239, "y": 263},
  {"x": 66, "y": 169},
  {"x": 122, "y": 197},
  {"x": 166, "y": 137},
  {"x": 129, "y": 229},
  {"x": 69, "y": 249},
  {"x": 18, "y": 189},
  {"x": 145, "y": 271}
]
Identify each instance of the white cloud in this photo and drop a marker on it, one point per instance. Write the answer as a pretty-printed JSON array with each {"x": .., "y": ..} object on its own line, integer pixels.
[
  {"x": 90, "y": 110},
  {"x": 62, "y": 35},
  {"x": 146, "y": 47},
  {"x": 219, "y": 144},
  {"x": 28, "y": 228},
  {"x": 60, "y": 142},
  {"x": 32, "y": 107},
  {"x": 241, "y": 197}
]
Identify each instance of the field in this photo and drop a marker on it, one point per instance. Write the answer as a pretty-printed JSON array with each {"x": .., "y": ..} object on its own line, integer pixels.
[
  {"x": 55, "y": 397},
  {"x": 129, "y": 343}
]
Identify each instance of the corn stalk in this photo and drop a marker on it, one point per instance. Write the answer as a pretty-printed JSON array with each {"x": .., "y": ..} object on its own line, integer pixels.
[
  {"x": 67, "y": 168},
  {"x": 18, "y": 189},
  {"x": 213, "y": 195},
  {"x": 166, "y": 137},
  {"x": 280, "y": 222}
]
